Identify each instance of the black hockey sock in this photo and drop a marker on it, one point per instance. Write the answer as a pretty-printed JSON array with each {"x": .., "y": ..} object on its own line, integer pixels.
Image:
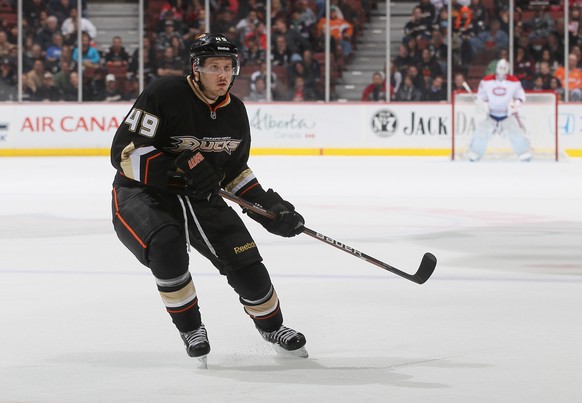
[
  {"x": 179, "y": 297},
  {"x": 260, "y": 301}
]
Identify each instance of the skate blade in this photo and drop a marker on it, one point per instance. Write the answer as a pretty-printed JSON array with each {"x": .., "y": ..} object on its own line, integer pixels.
[
  {"x": 202, "y": 362},
  {"x": 282, "y": 353}
]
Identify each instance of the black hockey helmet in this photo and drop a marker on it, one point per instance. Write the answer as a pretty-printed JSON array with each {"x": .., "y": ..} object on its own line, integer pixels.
[{"x": 214, "y": 45}]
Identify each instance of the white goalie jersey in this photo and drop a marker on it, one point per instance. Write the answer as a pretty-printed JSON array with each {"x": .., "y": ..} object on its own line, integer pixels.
[
  {"x": 495, "y": 122},
  {"x": 500, "y": 93}
]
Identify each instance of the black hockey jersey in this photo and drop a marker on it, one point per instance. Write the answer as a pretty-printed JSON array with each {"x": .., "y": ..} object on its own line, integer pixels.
[{"x": 170, "y": 116}]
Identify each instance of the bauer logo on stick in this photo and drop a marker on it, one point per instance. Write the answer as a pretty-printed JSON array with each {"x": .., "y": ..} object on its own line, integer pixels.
[{"x": 338, "y": 244}]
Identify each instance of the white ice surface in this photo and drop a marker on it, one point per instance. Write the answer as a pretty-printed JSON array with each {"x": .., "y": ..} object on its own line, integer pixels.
[{"x": 499, "y": 321}]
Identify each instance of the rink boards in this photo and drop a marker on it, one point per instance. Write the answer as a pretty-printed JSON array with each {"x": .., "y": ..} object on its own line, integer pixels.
[{"x": 407, "y": 129}]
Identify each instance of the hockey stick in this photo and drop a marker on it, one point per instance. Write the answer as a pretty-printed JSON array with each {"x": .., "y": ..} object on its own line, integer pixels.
[
  {"x": 519, "y": 123},
  {"x": 468, "y": 89},
  {"x": 427, "y": 265},
  {"x": 473, "y": 96}
]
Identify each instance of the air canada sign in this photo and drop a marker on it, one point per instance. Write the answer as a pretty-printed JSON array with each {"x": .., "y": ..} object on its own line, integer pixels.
[{"x": 68, "y": 124}]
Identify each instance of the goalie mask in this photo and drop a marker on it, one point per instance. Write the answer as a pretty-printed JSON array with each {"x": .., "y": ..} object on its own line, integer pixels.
[
  {"x": 213, "y": 45},
  {"x": 502, "y": 69}
]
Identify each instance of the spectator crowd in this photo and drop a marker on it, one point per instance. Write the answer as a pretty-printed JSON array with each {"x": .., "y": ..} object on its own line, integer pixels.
[
  {"x": 51, "y": 53},
  {"x": 480, "y": 36}
]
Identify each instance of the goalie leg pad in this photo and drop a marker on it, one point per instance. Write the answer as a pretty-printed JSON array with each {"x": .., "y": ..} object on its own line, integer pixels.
[
  {"x": 516, "y": 136},
  {"x": 481, "y": 139}
]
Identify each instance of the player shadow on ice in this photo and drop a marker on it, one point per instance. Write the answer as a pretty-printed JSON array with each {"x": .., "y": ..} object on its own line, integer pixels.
[
  {"x": 273, "y": 370},
  {"x": 332, "y": 371}
]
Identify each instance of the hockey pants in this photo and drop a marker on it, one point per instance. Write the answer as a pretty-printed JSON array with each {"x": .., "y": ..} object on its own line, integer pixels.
[{"x": 153, "y": 227}]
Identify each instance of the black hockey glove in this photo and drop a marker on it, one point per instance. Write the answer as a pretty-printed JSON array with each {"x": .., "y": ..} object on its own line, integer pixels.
[
  {"x": 202, "y": 179},
  {"x": 287, "y": 223}
]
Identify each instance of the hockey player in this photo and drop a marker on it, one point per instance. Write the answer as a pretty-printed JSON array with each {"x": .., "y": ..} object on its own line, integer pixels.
[
  {"x": 183, "y": 139},
  {"x": 500, "y": 97}
]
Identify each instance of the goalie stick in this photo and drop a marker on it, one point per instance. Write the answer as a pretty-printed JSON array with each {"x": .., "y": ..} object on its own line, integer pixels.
[
  {"x": 468, "y": 89},
  {"x": 519, "y": 123},
  {"x": 427, "y": 265}
]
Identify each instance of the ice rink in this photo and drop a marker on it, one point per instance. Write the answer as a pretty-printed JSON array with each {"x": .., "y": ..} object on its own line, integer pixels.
[{"x": 499, "y": 321}]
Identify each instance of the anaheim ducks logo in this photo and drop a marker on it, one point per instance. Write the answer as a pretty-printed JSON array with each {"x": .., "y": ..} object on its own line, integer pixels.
[{"x": 212, "y": 144}]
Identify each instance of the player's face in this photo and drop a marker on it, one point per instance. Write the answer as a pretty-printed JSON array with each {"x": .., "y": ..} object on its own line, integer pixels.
[{"x": 216, "y": 75}]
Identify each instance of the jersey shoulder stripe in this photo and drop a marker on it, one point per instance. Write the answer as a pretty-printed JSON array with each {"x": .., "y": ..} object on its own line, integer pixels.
[{"x": 489, "y": 77}]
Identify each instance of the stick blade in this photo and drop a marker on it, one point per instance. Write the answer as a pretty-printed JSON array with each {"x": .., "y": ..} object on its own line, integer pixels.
[{"x": 427, "y": 266}]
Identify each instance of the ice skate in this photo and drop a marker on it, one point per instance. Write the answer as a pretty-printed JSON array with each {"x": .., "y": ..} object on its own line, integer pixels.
[
  {"x": 287, "y": 342},
  {"x": 473, "y": 156},
  {"x": 525, "y": 157},
  {"x": 197, "y": 345}
]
